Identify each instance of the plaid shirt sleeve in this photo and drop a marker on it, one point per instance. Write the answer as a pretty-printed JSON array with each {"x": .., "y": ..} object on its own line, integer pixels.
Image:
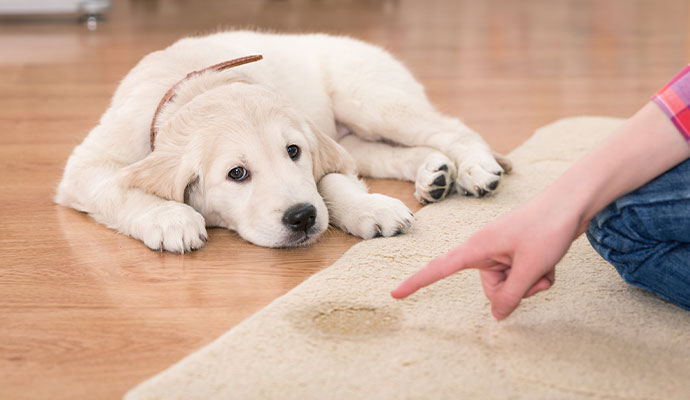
[{"x": 674, "y": 100}]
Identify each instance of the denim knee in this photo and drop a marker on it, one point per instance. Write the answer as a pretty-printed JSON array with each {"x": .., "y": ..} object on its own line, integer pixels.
[{"x": 628, "y": 238}]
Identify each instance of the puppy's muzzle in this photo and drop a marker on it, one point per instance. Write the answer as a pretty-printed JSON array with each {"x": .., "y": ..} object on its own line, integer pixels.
[{"x": 300, "y": 217}]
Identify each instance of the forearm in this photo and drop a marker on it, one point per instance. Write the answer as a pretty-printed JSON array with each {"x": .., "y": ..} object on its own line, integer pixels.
[{"x": 644, "y": 147}]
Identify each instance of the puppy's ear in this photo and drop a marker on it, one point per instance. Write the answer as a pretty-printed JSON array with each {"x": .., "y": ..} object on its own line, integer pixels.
[
  {"x": 162, "y": 173},
  {"x": 328, "y": 156}
]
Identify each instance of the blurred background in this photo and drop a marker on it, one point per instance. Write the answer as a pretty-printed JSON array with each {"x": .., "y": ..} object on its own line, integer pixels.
[
  {"x": 87, "y": 313},
  {"x": 501, "y": 65}
]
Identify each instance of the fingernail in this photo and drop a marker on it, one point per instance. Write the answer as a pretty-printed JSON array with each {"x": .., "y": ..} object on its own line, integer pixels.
[{"x": 499, "y": 314}]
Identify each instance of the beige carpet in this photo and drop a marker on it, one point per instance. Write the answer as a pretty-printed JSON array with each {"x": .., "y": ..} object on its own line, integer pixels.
[{"x": 339, "y": 335}]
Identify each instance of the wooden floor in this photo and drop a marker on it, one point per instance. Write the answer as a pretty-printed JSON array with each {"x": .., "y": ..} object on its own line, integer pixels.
[{"x": 86, "y": 313}]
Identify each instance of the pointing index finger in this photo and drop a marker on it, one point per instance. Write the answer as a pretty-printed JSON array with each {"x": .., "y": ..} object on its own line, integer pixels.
[{"x": 460, "y": 258}]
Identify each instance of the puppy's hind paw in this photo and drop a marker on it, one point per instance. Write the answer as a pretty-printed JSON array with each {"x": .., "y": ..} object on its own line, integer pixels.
[
  {"x": 435, "y": 178},
  {"x": 480, "y": 172},
  {"x": 171, "y": 226}
]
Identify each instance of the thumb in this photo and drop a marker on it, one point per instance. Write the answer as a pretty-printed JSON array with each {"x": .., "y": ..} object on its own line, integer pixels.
[{"x": 508, "y": 296}]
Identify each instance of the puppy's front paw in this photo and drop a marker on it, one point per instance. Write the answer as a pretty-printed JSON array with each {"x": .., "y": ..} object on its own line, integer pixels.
[
  {"x": 435, "y": 178},
  {"x": 171, "y": 226},
  {"x": 375, "y": 215},
  {"x": 478, "y": 175}
]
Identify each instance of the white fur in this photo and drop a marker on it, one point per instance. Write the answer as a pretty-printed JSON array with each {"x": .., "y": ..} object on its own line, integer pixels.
[{"x": 246, "y": 117}]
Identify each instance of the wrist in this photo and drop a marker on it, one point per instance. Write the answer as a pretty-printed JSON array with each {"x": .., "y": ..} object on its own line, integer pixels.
[{"x": 570, "y": 200}]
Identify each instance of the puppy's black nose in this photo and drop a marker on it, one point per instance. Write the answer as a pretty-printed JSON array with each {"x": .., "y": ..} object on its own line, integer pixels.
[{"x": 300, "y": 217}]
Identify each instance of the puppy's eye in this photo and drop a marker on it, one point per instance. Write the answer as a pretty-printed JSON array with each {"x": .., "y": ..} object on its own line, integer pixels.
[
  {"x": 238, "y": 174},
  {"x": 293, "y": 151}
]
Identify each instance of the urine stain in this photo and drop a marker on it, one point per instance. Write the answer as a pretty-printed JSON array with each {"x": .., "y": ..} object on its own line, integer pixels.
[{"x": 348, "y": 320}]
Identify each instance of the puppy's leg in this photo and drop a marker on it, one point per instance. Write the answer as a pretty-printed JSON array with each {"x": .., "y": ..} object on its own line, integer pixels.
[
  {"x": 379, "y": 99},
  {"x": 478, "y": 171},
  {"x": 94, "y": 185},
  {"x": 432, "y": 171},
  {"x": 161, "y": 224},
  {"x": 367, "y": 215}
]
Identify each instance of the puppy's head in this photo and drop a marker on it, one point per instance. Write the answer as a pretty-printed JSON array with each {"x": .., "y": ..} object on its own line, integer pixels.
[{"x": 241, "y": 156}]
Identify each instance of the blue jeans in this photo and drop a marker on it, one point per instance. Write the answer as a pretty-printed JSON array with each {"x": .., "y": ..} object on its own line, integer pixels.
[{"x": 646, "y": 235}]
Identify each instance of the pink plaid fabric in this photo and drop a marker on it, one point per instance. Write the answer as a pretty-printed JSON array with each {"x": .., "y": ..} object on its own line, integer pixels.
[{"x": 674, "y": 99}]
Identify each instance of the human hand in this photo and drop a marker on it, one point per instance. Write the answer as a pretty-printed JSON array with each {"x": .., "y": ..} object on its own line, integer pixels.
[{"x": 515, "y": 255}]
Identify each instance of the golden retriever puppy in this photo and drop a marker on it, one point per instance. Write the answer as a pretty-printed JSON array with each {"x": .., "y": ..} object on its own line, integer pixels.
[{"x": 201, "y": 135}]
